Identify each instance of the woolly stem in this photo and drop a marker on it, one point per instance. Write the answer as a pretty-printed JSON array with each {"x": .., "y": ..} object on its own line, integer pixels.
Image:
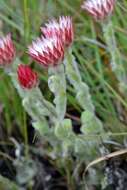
[
  {"x": 57, "y": 85},
  {"x": 81, "y": 88},
  {"x": 90, "y": 123},
  {"x": 116, "y": 61}
]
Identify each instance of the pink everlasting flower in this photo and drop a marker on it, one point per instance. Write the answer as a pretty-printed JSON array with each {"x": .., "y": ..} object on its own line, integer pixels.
[
  {"x": 7, "y": 51},
  {"x": 99, "y": 9},
  {"x": 62, "y": 29},
  {"x": 47, "y": 51},
  {"x": 28, "y": 79}
]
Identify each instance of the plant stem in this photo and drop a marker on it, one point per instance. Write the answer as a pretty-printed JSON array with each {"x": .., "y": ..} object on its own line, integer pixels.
[
  {"x": 25, "y": 136},
  {"x": 57, "y": 84},
  {"x": 116, "y": 60},
  {"x": 81, "y": 88},
  {"x": 26, "y": 21},
  {"x": 70, "y": 181}
]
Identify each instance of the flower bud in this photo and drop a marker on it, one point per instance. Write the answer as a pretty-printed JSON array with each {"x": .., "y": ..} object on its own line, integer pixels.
[{"x": 28, "y": 79}]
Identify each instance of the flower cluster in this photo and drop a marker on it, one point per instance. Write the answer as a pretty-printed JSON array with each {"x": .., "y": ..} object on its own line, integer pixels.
[
  {"x": 99, "y": 9},
  {"x": 7, "y": 51},
  {"x": 26, "y": 77},
  {"x": 49, "y": 49}
]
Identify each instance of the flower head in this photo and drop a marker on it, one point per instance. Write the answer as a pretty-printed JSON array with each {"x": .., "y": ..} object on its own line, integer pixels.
[
  {"x": 28, "y": 79},
  {"x": 7, "y": 51},
  {"x": 62, "y": 29},
  {"x": 47, "y": 51},
  {"x": 99, "y": 9}
]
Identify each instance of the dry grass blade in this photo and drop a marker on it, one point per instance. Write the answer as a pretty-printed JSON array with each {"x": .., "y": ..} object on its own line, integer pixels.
[{"x": 106, "y": 157}]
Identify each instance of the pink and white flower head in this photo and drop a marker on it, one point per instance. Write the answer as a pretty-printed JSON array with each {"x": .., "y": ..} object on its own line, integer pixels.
[
  {"x": 27, "y": 78},
  {"x": 63, "y": 28},
  {"x": 99, "y": 9},
  {"x": 7, "y": 51},
  {"x": 48, "y": 52}
]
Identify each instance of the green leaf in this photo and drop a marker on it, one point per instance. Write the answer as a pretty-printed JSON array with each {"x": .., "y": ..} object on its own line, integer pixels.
[
  {"x": 43, "y": 128},
  {"x": 91, "y": 124},
  {"x": 64, "y": 130}
]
